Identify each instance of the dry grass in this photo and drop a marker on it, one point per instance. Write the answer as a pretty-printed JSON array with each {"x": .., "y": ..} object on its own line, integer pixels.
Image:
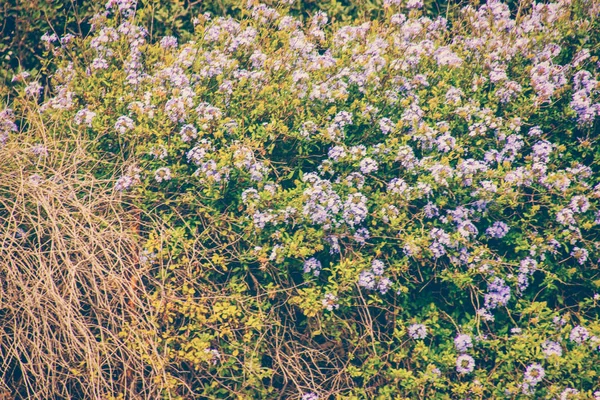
[{"x": 69, "y": 274}]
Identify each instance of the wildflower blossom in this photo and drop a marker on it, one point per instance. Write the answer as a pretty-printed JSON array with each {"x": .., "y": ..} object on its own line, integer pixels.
[
  {"x": 330, "y": 302},
  {"x": 417, "y": 331},
  {"x": 497, "y": 230},
  {"x": 162, "y": 174},
  {"x": 551, "y": 348},
  {"x": 465, "y": 364},
  {"x": 463, "y": 342},
  {"x": 312, "y": 265},
  {"x": 534, "y": 373},
  {"x": 579, "y": 334},
  {"x": 124, "y": 124}
]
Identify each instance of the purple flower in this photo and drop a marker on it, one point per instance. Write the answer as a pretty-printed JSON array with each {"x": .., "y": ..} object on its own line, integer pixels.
[
  {"x": 123, "y": 124},
  {"x": 377, "y": 266},
  {"x": 366, "y": 279},
  {"x": 312, "y": 265},
  {"x": 188, "y": 133},
  {"x": 550, "y": 348},
  {"x": 463, "y": 342},
  {"x": 355, "y": 209},
  {"x": 384, "y": 285},
  {"x": 581, "y": 255},
  {"x": 362, "y": 235},
  {"x": 168, "y": 42},
  {"x": 569, "y": 393},
  {"x": 497, "y": 230},
  {"x": 386, "y": 125},
  {"x": 162, "y": 174},
  {"x": 498, "y": 294},
  {"x": 579, "y": 334},
  {"x": 465, "y": 364},
  {"x": 417, "y": 331},
  {"x": 534, "y": 373},
  {"x": 368, "y": 165},
  {"x": 330, "y": 302},
  {"x": 579, "y": 204}
]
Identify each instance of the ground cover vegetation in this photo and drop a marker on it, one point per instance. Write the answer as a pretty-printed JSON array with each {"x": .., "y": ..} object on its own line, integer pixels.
[{"x": 395, "y": 200}]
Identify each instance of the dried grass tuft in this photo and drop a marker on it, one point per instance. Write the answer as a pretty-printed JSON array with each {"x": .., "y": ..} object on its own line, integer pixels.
[{"x": 74, "y": 320}]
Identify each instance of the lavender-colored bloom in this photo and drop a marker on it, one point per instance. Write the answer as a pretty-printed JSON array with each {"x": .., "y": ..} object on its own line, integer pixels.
[
  {"x": 368, "y": 165},
  {"x": 188, "y": 133},
  {"x": 261, "y": 219},
  {"x": 431, "y": 210},
  {"x": 386, "y": 125},
  {"x": 534, "y": 373},
  {"x": 498, "y": 294},
  {"x": 398, "y": 186},
  {"x": 355, "y": 209},
  {"x": 414, "y": 4},
  {"x": 467, "y": 229},
  {"x": 384, "y": 285},
  {"x": 162, "y": 174},
  {"x": 124, "y": 124},
  {"x": 168, "y": 42},
  {"x": 498, "y": 230},
  {"x": 123, "y": 183},
  {"x": 465, "y": 364},
  {"x": 312, "y": 265},
  {"x": 39, "y": 150},
  {"x": 49, "y": 37},
  {"x": 446, "y": 142},
  {"x": 330, "y": 302},
  {"x": 542, "y": 150},
  {"x": 437, "y": 249},
  {"x": 535, "y": 131},
  {"x": 378, "y": 267},
  {"x": 485, "y": 314},
  {"x": 528, "y": 266},
  {"x": 33, "y": 89},
  {"x": 175, "y": 109},
  {"x": 522, "y": 282},
  {"x": 550, "y": 348},
  {"x": 417, "y": 331},
  {"x": 445, "y": 56},
  {"x": 158, "y": 152},
  {"x": 463, "y": 342},
  {"x": 568, "y": 394},
  {"x": 559, "y": 321},
  {"x": 362, "y": 235},
  {"x": 250, "y": 195},
  {"x": 99, "y": 63},
  {"x": 565, "y": 217},
  {"x": 579, "y": 204},
  {"x": 581, "y": 255},
  {"x": 336, "y": 152},
  {"x": 322, "y": 203},
  {"x": 366, "y": 279},
  {"x": 579, "y": 334},
  {"x": 310, "y": 396},
  {"x": 454, "y": 95},
  {"x": 84, "y": 116}
]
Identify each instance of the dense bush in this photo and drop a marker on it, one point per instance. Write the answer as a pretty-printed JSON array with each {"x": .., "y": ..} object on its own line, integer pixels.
[
  {"x": 399, "y": 207},
  {"x": 23, "y": 22}
]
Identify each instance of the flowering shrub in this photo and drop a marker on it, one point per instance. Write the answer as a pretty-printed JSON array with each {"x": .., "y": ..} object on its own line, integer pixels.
[{"x": 405, "y": 207}]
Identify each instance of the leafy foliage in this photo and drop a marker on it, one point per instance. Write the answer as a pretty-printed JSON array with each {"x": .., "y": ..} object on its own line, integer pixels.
[{"x": 393, "y": 206}]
